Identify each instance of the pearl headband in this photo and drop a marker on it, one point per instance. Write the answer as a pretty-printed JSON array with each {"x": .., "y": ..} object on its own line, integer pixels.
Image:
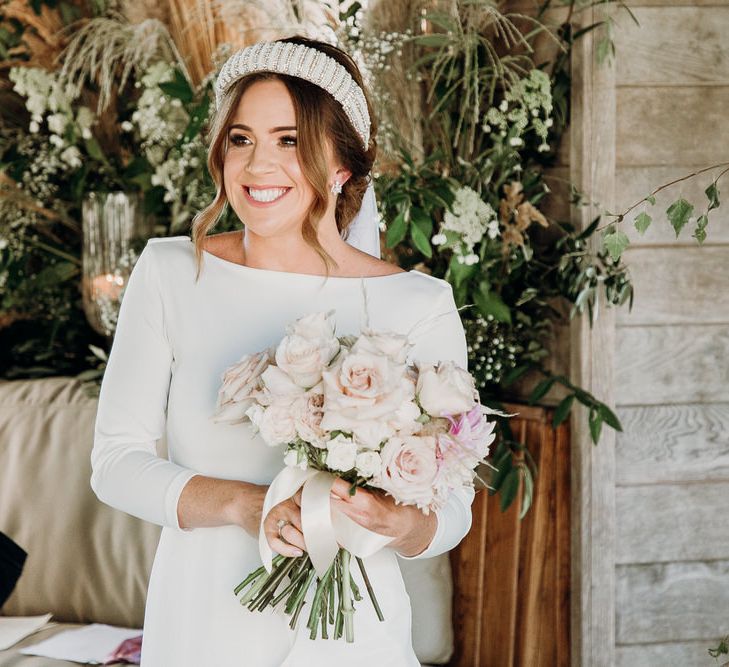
[{"x": 303, "y": 62}]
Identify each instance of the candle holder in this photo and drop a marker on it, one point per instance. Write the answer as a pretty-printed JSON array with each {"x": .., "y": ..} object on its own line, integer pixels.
[{"x": 115, "y": 231}]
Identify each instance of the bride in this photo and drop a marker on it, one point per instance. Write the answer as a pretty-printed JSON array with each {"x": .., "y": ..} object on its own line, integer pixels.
[{"x": 291, "y": 146}]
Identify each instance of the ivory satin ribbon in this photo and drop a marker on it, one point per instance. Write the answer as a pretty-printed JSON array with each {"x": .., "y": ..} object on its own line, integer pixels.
[{"x": 324, "y": 528}]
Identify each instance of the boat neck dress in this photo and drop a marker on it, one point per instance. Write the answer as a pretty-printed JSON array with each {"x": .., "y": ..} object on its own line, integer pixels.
[{"x": 174, "y": 339}]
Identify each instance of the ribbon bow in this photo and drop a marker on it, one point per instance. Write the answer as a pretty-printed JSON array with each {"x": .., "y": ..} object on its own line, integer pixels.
[{"x": 324, "y": 529}]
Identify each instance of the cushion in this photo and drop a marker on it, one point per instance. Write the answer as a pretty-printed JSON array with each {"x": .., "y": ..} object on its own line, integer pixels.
[
  {"x": 86, "y": 561},
  {"x": 90, "y": 563}
]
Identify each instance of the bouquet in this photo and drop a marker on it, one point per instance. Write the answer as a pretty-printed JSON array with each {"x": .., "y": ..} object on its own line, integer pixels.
[{"x": 358, "y": 409}]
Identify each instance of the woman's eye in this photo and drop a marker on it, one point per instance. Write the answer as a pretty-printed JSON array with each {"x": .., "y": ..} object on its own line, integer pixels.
[
  {"x": 238, "y": 139},
  {"x": 288, "y": 141}
]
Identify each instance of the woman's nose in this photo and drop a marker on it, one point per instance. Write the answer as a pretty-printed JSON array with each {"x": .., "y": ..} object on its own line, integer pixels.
[{"x": 260, "y": 160}]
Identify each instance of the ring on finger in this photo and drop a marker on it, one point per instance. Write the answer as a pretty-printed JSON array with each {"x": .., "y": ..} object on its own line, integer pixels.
[{"x": 280, "y": 525}]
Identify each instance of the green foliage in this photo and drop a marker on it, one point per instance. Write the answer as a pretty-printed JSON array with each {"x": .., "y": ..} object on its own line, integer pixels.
[
  {"x": 642, "y": 222},
  {"x": 721, "y": 649},
  {"x": 679, "y": 213},
  {"x": 616, "y": 241}
]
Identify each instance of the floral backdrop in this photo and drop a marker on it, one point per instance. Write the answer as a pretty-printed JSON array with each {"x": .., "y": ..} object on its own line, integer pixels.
[{"x": 474, "y": 102}]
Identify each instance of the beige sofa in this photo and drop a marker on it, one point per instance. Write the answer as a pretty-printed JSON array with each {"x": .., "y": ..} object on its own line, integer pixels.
[{"x": 88, "y": 563}]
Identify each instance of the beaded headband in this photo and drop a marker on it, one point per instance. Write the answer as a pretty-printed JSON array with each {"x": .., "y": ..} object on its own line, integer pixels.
[{"x": 303, "y": 62}]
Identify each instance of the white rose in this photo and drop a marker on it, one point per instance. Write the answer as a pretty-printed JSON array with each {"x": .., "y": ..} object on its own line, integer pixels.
[
  {"x": 446, "y": 390},
  {"x": 392, "y": 345},
  {"x": 317, "y": 326},
  {"x": 368, "y": 463},
  {"x": 295, "y": 459},
  {"x": 276, "y": 425},
  {"x": 409, "y": 470},
  {"x": 241, "y": 383},
  {"x": 341, "y": 453},
  {"x": 278, "y": 387},
  {"x": 405, "y": 419},
  {"x": 308, "y": 348}
]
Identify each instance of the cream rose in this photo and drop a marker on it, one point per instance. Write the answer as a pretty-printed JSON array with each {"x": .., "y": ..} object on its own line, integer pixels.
[
  {"x": 341, "y": 453},
  {"x": 394, "y": 346},
  {"x": 308, "y": 349},
  {"x": 241, "y": 384},
  {"x": 278, "y": 387},
  {"x": 445, "y": 390},
  {"x": 362, "y": 392},
  {"x": 275, "y": 423},
  {"x": 409, "y": 470}
]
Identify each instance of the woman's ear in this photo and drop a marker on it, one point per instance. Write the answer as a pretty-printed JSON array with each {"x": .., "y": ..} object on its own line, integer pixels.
[{"x": 342, "y": 175}]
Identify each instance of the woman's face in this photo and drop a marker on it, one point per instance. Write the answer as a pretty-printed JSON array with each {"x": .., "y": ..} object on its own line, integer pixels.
[{"x": 263, "y": 179}]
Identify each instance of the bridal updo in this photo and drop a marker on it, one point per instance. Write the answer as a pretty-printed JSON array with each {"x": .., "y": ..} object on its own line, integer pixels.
[{"x": 319, "y": 118}]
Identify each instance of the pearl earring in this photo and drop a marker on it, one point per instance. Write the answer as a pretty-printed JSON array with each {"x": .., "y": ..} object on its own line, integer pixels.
[{"x": 336, "y": 188}]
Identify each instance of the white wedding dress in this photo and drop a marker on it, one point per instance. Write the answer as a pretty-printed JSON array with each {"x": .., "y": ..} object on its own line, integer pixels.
[{"x": 173, "y": 341}]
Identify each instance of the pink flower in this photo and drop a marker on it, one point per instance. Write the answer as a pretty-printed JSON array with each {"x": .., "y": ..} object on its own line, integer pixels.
[{"x": 473, "y": 432}]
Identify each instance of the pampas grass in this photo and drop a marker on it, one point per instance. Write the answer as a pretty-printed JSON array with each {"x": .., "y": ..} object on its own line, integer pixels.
[{"x": 104, "y": 44}]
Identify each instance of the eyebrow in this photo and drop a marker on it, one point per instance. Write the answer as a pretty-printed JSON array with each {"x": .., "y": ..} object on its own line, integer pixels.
[{"x": 278, "y": 128}]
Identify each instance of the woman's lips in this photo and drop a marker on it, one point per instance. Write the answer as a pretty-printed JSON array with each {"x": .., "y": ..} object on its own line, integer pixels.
[{"x": 262, "y": 204}]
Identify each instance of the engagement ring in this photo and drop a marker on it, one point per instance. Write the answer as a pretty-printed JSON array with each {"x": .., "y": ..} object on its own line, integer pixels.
[{"x": 281, "y": 523}]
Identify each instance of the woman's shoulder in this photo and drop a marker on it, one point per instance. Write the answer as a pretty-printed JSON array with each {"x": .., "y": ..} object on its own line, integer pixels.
[{"x": 170, "y": 256}]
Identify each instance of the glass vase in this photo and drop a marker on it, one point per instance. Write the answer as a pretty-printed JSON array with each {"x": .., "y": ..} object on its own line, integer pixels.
[{"x": 114, "y": 232}]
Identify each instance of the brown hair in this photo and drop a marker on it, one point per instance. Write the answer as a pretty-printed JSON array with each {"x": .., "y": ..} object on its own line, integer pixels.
[{"x": 319, "y": 117}]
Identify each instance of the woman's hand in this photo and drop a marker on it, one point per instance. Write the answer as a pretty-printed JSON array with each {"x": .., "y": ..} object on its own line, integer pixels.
[
  {"x": 292, "y": 543},
  {"x": 413, "y": 531}
]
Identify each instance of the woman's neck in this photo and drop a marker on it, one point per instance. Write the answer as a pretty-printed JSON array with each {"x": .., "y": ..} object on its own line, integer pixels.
[{"x": 292, "y": 253}]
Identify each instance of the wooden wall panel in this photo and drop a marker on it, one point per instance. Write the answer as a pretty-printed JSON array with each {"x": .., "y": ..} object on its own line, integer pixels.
[
  {"x": 666, "y": 125},
  {"x": 668, "y": 602},
  {"x": 672, "y": 522},
  {"x": 672, "y": 364},
  {"x": 673, "y": 443},
  {"x": 635, "y": 183},
  {"x": 678, "y": 286},
  {"x": 673, "y": 46}
]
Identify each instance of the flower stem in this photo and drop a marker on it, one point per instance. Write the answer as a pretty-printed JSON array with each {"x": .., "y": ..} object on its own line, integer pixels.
[
  {"x": 347, "y": 607},
  {"x": 370, "y": 590}
]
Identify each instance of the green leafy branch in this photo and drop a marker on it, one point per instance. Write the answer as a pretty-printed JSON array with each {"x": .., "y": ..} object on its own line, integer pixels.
[
  {"x": 599, "y": 412},
  {"x": 679, "y": 213},
  {"x": 512, "y": 465}
]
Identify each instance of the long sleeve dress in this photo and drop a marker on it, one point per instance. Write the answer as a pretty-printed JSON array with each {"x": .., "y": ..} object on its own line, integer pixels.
[{"x": 174, "y": 339}]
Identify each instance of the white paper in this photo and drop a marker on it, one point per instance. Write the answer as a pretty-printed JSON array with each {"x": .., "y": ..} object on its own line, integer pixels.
[
  {"x": 91, "y": 644},
  {"x": 15, "y": 628}
]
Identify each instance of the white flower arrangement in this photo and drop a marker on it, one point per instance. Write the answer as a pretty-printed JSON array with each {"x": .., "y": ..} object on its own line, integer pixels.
[{"x": 465, "y": 224}]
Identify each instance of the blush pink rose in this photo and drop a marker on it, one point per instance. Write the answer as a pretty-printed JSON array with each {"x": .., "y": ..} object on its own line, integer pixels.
[{"x": 409, "y": 470}]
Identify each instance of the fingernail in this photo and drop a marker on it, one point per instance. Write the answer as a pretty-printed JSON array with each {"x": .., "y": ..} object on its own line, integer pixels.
[{"x": 298, "y": 552}]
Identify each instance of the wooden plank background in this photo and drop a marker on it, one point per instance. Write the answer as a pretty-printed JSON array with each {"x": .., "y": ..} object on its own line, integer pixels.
[{"x": 672, "y": 351}]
